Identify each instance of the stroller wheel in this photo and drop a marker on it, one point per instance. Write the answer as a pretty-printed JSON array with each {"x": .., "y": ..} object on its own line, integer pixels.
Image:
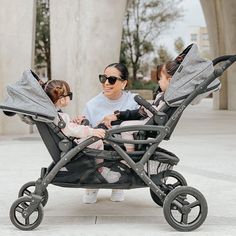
[
  {"x": 29, "y": 188},
  {"x": 170, "y": 180},
  {"x": 185, "y": 208},
  {"x": 17, "y": 214}
]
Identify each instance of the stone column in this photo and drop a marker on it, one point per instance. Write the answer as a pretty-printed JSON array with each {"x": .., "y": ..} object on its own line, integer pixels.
[
  {"x": 214, "y": 20},
  {"x": 221, "y": 18},
  {"x": 229, "y": 11},
  {"x": 17, "y": 23},
  {"x": 85, "y": 37}
]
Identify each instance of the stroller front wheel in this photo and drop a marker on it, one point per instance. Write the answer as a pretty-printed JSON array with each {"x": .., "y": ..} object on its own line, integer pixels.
[
  {"x": 29, "y": 188},
  {"x": 18, "y": 211},
  {"x": 185, "y": 208}
]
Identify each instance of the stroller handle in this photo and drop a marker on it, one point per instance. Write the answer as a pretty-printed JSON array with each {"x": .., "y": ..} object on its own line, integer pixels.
[
  {"x": 142, "y": 102},
  {"x": 227, "y": 60},
  {"x": 231, "y": 58}
]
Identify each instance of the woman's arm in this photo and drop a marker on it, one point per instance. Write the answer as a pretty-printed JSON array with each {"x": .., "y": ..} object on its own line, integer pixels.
[
  {"x": 124, "y": 115},
  {"x": 132, "y": 114},
  {"x": 75, "y": 130}
]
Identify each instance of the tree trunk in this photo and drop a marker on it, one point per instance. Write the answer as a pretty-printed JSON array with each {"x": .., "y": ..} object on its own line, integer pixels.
[
  {"x": 135, "y": 69},
  {"x": 48, "y": 61},
  {"x": 49, "y": 70}
]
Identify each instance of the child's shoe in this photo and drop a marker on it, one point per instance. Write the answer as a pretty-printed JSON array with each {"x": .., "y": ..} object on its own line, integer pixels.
[
  {"x": 90, "y": 196},
  {"x": 117, "y": 195},
  {"x": 110, "y": 176}
]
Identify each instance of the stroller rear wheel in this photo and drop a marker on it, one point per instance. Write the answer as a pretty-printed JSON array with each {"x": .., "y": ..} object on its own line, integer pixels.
[
  {"x": 29, "y": 188},
  {"x": 17, "y": 214},
  {"x": 170, "y": 179},
  {"x": 185, "y": 208}
]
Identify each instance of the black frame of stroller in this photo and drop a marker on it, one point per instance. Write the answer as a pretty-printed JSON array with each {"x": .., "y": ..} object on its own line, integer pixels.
[{"x": 172, "y": 200}]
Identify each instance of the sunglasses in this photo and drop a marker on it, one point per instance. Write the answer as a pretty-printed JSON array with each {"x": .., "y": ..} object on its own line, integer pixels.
[
  {"x": 70, "y": 95},
  {"x": 111, "y": 79}
]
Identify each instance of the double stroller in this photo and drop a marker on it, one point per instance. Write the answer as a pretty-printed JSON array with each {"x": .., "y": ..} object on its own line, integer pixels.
[{"x": 74, "y": 165}]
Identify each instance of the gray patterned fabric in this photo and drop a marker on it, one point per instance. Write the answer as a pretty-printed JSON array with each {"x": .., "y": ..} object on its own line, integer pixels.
[
  {"x": 27, "y": 97},
  {"x": 191, "y": 72}
]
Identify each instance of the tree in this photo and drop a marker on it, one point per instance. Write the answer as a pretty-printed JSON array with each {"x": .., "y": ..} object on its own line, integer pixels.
[
  {"x": 179, "y": 45},
  {"x": 163, "y": 56},
  {"x": 144, "y": 21},
  {"x": 42, "y": 39}
]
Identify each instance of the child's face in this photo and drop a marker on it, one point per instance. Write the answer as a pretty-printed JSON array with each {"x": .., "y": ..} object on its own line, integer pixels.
[
  {"x": 164, "y": 80},
  {"x": 63, "y": 102}
]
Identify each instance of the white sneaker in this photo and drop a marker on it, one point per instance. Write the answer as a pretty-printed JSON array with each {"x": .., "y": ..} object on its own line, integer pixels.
[
  {"x": 117, "y": 195},
  {"x": 90, "y": 196},
  {"x": 109, "y": 175}
]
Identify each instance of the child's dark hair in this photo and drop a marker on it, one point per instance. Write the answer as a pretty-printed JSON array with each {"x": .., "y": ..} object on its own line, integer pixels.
[
  {"x": 170, "y": 66},
  {"x": 124, "y": 74},
  {"x": 55, "y": 89}
]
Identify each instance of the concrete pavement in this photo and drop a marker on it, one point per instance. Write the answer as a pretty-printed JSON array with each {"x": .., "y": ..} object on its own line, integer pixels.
[{"x": 205, "y": 142}]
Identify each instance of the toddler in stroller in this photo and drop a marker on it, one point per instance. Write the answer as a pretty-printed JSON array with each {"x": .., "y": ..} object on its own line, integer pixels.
[
  {"x": 59, "y": 93},
  {"x": 184, "y": 207}
]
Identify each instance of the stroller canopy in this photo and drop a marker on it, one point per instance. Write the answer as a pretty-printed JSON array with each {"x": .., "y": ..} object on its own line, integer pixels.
[
  {"x": 191, "y": 72},
  {"x": 27, "y": 97}
]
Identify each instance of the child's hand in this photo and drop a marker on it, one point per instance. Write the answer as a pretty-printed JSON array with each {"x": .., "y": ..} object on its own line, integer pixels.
[
  {"x": 78, "y": 119},
  {"x": 100, "y": 133},
  {"x": 108, "y": 119}
]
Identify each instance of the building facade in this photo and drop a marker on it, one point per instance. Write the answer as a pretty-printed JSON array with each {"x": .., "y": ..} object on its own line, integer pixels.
[{"x": 199, "y": 36}]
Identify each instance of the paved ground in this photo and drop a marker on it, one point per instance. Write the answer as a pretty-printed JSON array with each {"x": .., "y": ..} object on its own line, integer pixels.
[{"x": 205, "y": 141}]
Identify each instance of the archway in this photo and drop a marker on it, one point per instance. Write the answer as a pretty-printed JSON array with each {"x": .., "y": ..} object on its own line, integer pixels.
[{"x": 221, "y": 19}]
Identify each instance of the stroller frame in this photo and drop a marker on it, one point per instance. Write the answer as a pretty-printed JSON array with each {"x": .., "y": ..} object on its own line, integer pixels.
[
  {"x": 173, "y": 199},
  {"x": 138, "y": 167}
]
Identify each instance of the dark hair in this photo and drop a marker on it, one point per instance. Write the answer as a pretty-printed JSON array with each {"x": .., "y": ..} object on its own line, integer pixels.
[
  {"x": 124, "y": 74},
  {"x": 55, "y": 89},
  {"x": 170, "y": 66},
  {"x": 159, "y": 69}
]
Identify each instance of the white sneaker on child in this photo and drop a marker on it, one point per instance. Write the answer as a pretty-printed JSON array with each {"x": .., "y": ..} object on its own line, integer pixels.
[
  {"x": 110, "y": 176},
  {"x": 90, "y": 196},
  {"x": 117, "y": 195}
]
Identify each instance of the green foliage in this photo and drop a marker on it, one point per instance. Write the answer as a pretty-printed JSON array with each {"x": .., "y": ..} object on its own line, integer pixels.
[
  {"x": 144, "y": 22},
  {"x": 141, "y": 84},
  {"x": 136, "y": 84},
  {"x": 42, "y": 39},
  {"x": 150, "y": 85},
  {"x": 179, "y": 45},
  {"x": 163, "y": 55}
]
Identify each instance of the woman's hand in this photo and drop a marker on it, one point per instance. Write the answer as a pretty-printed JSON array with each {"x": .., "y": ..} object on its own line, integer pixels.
[
  {"x": 78, "y": 119},
  {"x": 100, "y": 133},
  {"x": 108, "y": 119}
]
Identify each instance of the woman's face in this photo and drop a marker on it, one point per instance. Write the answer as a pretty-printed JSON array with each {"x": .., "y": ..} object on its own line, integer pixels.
[
  {"x": 113, "y": 91},
  {"x": 164, "y": 79}
]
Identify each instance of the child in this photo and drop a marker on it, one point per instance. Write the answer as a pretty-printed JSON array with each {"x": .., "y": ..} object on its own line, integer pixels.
[
  {"x": 141, "y": 115},
  {"x": 60, "y": 94}
]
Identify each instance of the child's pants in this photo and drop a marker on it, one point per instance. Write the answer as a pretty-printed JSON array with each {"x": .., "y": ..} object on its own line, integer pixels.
[{"x": 129, "y": 135}]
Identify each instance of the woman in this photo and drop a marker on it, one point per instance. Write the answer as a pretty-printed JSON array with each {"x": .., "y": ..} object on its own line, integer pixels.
[{"x": 112, "y": 98}]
